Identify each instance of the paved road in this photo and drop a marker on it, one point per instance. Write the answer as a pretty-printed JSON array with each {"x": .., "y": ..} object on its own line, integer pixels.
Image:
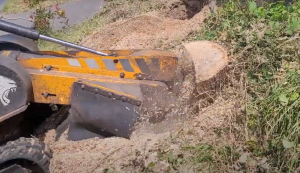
[
  {"x": 2, "y": 2},
  {"x": 76, "y": 12}
]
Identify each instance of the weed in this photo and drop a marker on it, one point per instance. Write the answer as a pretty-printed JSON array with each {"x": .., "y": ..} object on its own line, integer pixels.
[
  {"x": 44, "y": 17},
  {"x": 42, "y": 20},
  {"x": 32, "y": 3}
]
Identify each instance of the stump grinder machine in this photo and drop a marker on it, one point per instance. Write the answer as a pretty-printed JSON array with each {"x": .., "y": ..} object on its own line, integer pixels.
[{"x": 104, "y": 93}]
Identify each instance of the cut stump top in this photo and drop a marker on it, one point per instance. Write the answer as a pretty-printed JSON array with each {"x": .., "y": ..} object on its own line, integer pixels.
[{"x": 209, "y": 59}]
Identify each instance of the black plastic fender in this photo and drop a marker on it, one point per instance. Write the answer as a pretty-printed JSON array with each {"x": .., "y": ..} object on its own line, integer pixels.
[
  {"x": 15, "y": 42},
  {"x": 15, "y": 87}
]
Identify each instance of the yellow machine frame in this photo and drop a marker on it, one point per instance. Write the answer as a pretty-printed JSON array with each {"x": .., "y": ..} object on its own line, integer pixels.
[{"x": 53, "y": 73}]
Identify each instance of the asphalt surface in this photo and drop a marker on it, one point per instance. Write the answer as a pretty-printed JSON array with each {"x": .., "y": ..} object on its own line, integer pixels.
[
  {"x": 76, "y": 12},
  {"x": 2, "y": 2}
]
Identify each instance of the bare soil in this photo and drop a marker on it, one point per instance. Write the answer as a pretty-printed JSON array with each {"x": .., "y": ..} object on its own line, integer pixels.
[{"x": 148, "y": 31}]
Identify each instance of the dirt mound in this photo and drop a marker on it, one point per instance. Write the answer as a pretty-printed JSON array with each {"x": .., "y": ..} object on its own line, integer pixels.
[
  {"x": 144, "y": 32},
  {"x": 186, "y": 9},
  {"x": 95, "y": 155}
]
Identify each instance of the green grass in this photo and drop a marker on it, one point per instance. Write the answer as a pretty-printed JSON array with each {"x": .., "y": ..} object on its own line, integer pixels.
[
  {"x": 18, "y": 6},
  {"x": 265, "y": 43},
  {"x": 74, "y": 34}
]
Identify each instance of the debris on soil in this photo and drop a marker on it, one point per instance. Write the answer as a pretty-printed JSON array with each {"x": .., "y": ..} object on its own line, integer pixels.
[{"x": 95, "y": 155}]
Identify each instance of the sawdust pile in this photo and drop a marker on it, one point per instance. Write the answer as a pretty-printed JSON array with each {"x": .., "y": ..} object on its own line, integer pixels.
[
  {"x": 130, "y": 156},
  {"x": 95, "y": 155},
  {"x": 143, "y": 32}
]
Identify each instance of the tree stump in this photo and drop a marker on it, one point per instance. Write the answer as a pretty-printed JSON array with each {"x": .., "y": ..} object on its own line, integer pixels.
[{"x": 210, "y": 62}]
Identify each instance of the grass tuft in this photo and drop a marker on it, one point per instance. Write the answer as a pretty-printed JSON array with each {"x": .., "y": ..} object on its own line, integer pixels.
[{"x": 73, "y": 34}]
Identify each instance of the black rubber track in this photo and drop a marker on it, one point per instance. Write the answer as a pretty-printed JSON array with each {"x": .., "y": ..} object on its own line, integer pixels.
[{"x": 29, "y": 149}]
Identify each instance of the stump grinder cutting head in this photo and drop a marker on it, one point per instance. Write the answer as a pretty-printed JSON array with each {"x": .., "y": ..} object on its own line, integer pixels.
[{"x": 108, "y": 92}]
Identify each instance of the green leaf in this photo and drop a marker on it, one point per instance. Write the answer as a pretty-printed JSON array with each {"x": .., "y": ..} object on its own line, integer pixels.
[
  {"x": 108, "y": 170},
  {"x": 268, "y": 32},
  {"x": 286, "y": 144},
  {"x": 151, "y": 165},
  {"x": 252, "y": 6},
  {"x": 294, "y": 96},
  {"x": 171, "y": 158},
  {"x": 289, "y": 32},
  {"x": 277, "y": 26},
  {"x": 283, "y": 100},
  {"x": 179, "y": 160}
]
